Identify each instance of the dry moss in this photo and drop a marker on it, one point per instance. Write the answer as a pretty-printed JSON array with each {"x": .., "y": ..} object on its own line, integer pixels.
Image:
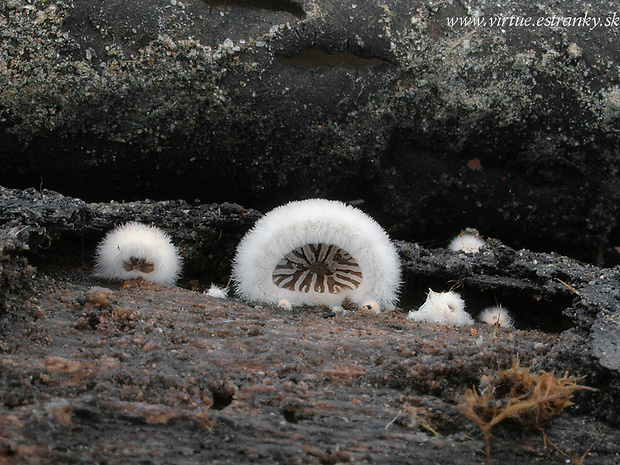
[{"x": 527, "y": 399}]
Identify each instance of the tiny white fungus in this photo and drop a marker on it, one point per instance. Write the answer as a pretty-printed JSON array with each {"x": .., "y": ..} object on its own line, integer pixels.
[
  {"x": 444, "y": 308},
  {"x": 497, "y": 316},
  {"x": 466, "y": 242},
  {"x": 217, "y": 292},
  {"x": 283, "y": 303},
  {"x": 136, "y": 250}
]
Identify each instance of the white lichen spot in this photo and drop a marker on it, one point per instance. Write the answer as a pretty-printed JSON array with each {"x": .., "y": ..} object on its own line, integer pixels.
[
  {"x": 228, "y": 45},
  {"x": 90, "y": 53},
  {"x": 574, "y": 50},
  {"x": 497, "y": 316},
  {"x": 318, "y": 252},
  {"x": 167, "y": 41},
  {"x": 444, "y": 308},
  {"x": 610, "y": 103},
  {"x": 136, "y": 250}
]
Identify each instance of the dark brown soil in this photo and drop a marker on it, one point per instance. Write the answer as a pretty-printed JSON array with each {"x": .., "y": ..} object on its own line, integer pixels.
[{"x": 145, "y": 373}]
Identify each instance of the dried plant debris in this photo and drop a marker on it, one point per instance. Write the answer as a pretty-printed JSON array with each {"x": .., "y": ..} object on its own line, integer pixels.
[{"x": 517, "y": 395}]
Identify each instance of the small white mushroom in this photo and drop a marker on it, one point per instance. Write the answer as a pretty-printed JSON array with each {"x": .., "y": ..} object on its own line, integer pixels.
[
  {"x": 444, "y": 308},
  {"x": 217, "y": 292},
  {"x": 466, "y": 242},
  {"x": 135, "y": 250},
  {"x": 497, "y": 316}
]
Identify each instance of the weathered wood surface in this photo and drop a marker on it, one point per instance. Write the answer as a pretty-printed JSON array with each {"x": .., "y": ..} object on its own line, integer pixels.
[{"x": 145, "y": 372}]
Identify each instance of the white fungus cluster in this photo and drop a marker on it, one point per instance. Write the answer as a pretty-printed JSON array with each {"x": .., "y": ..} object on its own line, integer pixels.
[
  {"x": 136, "y": 250},
  {"x": 309, "y": 252},
  {"x": 317, "y": 252},
  {"x": 449, "y": 308},
  {"x": 444, "y": 308}
]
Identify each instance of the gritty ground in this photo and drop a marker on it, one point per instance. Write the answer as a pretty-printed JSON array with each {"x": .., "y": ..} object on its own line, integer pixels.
[{"x": 144, "y": 373}]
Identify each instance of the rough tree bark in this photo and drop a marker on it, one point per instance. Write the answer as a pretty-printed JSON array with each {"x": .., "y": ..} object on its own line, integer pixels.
[{"x": 508, "y": 128}]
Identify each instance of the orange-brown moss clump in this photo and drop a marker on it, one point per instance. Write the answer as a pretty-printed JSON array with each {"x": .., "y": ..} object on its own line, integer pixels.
[{"x": 525, "y": 398}]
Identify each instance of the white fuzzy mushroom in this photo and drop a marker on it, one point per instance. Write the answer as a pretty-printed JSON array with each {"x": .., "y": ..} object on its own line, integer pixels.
[
  {"x": 317, "y": 252},
  {"x": 497, "y": 316},
  {"x": 135, "y": 250},
  {"x": 466, "y": 242},
  {"x": 217, "y": 292},
  {"x": 442, "y": 307}
]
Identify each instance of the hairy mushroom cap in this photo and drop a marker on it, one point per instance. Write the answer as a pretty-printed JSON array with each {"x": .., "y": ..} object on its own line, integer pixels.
[
  {"x": 497, "y": 316},
  {"x": 136, "y": 250},
  {"x": 317, "y": 252},
  {"x": 466, "y": 242},
  {"x": 444, "y": 308}
]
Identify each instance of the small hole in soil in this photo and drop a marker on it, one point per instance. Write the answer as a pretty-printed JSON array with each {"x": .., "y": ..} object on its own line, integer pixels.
[
  {"x": 221, "y": 402},
  {"x": 84, "y": 413},
  {"x": 295, "y": 413},
  {"x": 223, "y": 394}
]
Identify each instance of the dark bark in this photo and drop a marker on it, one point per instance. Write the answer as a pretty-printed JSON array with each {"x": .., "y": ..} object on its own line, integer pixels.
[{"x": 511, "y": 129}]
